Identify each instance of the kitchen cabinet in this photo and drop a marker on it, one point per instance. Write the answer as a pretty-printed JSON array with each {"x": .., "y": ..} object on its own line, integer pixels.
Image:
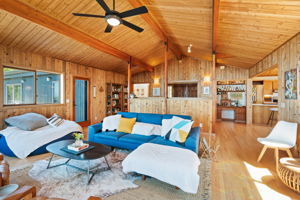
[
  {"x": 268, "y": 87},
  {"x": 275, "y": 85},
  {"x": 239, "y": 116}
]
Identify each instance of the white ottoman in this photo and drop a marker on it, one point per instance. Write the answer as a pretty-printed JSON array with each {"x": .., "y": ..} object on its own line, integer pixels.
[{"x": 173, "y": 165}]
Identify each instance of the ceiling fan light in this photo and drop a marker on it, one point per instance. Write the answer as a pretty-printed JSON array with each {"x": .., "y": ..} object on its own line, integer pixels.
[{"x": 113, "y": 20}]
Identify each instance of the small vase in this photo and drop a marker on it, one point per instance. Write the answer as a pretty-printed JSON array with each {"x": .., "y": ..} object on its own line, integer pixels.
[{"x": 78, "y": 143}]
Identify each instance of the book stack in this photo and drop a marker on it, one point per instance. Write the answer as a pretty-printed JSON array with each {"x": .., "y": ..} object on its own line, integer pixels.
[{"x": 73, "y": 147}]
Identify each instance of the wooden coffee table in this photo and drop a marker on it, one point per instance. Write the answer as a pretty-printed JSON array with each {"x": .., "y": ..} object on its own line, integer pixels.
[{"x": 97, "y": 152}]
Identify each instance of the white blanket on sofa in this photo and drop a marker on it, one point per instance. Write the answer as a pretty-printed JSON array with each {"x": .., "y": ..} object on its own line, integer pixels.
[
  {"x": 172, "y": 165},
  {"x": 22, "y": 143}
]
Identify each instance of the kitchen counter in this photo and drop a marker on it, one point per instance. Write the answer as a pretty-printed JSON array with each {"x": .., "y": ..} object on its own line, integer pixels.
[
  {"x": 265, "y": 104},
  {"x": 261, "y": 113}
]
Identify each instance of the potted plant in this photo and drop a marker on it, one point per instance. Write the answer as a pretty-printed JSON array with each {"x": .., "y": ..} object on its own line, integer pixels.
[{"x": 78, "y": 136}]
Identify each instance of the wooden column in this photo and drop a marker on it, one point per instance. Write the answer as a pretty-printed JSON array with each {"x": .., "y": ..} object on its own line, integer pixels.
[
  {"x": 214, "y": 93},
  {"x": 166, "y": 77},
  {"x": 129, "y": 83},
  {"x": 249, "y": 101}
]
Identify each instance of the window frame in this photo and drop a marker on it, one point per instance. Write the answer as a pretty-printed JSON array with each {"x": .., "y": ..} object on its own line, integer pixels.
[
  {"x": 62, "y": 95},
  {"x": 6, "y": 92}
]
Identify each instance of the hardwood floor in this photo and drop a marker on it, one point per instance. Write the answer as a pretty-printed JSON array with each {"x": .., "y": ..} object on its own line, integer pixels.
[{"x": 236, "y": 175}]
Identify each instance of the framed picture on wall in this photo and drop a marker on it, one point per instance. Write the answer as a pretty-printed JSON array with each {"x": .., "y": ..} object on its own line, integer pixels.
[
  {"x": 141, "y": 90},
  {"x": 206, "y": 90},
  {"x": 290, "y": 80}
]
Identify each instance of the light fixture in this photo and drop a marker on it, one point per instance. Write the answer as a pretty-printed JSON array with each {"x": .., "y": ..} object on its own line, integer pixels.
[
  {"x": 206, "y": 79},
  {"x": 189, "y": 50},
  {"x": 48, "y": 79},
  {"x": 156, "y": 81},
  {"x": 113, "y": 20},
  {"x": 222, "y": 67}
]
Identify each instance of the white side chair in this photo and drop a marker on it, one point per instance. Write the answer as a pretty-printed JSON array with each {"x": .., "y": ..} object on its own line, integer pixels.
[{"x": 283, "y": 137}]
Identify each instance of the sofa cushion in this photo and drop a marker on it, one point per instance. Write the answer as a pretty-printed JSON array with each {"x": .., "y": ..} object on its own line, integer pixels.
[
  {"x": 135, "y": 138},
  {"x": 110, "y": 135},
  {"x": 149, "y": 118},
  {"x": 128, "y": 114},
  {"x": 162, "y": 141},
  {"x": 170, "y": 116}
]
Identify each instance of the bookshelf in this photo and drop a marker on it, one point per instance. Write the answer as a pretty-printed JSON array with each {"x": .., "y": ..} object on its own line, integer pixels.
[{"x": 116, "y": 98}]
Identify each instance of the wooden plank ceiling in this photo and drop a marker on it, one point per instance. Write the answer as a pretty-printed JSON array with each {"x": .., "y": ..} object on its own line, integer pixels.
[
  {"x": 248, "y": 30},
  {"x": 185, "y": 22},
  {"x": 22, "y": 34}
]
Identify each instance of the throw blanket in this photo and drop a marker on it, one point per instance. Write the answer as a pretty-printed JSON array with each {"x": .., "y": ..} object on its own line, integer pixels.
[
  {"x": 172, "y": 165},
  {"x": 22, "y": 143}
]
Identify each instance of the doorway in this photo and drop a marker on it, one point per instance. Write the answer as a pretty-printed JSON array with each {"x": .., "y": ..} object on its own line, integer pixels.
[{"x": 81, "y": 101}]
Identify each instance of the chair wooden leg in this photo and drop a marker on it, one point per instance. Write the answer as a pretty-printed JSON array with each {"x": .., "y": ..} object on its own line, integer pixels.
[
  {"x": 262, "y": 153},
  {"x": 289, "y": 153}
]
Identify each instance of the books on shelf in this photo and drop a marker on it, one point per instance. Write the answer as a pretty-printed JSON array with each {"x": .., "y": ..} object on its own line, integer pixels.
[{"x": 73, "y": 147}]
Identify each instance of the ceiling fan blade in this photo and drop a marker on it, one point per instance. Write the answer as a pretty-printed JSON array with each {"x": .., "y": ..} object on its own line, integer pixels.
[
  {"x": 88, "y": 15},
  {"x": 133, "y": 12},
  {"x": 108, "y": 28},
  {"x": 132, "y": 26},
  {"x": 104, "y": 6}
]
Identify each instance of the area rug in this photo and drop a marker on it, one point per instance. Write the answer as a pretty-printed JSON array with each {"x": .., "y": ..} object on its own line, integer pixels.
[{"x": 68, "y": 183}]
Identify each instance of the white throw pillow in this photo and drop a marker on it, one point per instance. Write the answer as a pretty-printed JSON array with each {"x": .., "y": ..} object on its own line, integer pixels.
[
  {"x": 166, "y": 127},
  {"x": 142, "y": 128},
  {"x": 111, "y": 123},
  {"x": 55, "y": 120},
  {"x": 156, "y": 129}
]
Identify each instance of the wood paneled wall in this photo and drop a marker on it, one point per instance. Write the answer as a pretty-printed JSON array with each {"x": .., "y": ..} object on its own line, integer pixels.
[
  {"x": 286, "y": 57},
  {"x": 15, "y": 58},
  {"x": 199, "y": 108},
  {"x": 188, "y": 70},
  {"x": 231, "y": 73}
]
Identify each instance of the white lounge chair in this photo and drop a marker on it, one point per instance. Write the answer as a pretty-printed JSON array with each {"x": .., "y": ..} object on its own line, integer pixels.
[{"x": 283, "y": 137}]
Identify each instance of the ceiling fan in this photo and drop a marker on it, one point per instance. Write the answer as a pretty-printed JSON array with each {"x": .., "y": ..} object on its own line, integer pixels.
[{"x": 114, "y": 18}]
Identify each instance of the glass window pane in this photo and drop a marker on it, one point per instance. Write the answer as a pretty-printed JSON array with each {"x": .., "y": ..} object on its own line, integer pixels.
[
  {"x": 18, "y": 86},
  {"x": 48, "y": 89}
]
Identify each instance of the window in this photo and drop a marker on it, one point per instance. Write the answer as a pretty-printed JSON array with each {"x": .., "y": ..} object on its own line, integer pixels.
[
  {"x": 18, "y": 86},
  {"x": 48, "y": 88},
  {"x": 182, "y": 90},
  {"x": 31, "y": 87}
]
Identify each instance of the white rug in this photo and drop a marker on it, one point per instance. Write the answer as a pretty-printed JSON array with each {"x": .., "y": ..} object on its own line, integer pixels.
[{"x": 69, "y": 183}]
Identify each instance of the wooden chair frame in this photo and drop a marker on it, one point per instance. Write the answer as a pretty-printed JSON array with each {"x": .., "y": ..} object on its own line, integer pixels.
[
  {"x": 209, "y": 151},
  {"x": 288, "y": 151}
]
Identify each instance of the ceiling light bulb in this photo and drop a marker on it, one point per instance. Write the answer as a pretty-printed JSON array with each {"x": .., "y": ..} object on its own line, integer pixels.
[
  {"x": 113, "y": 20},
  {"x": 189, "y": 50}
]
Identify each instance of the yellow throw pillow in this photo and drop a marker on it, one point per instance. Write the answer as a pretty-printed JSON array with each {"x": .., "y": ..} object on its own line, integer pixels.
[{"x": 126, "y": 125}]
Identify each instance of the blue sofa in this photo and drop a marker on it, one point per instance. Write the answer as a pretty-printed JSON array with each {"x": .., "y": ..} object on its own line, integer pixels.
[{"x": 132, "y": 141}]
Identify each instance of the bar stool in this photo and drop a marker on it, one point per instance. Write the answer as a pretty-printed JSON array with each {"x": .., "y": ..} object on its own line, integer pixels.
[{"x": 271, "y": 117}]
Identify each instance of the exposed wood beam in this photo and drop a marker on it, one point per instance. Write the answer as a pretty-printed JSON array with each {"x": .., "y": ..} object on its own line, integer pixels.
[
  {"x": 216, "y": 9},
  {"x": 20, "y": 9},
  {"x": 166, "y": 77},
  {"x": 157, "y": 29}
]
